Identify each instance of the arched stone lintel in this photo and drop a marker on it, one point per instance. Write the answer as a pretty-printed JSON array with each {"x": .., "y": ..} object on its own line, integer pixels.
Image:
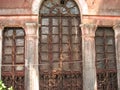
[{"x": 81, "y": 4}]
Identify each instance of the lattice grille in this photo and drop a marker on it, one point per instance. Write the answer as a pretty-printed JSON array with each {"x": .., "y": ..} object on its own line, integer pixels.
[
  {"x": 60, "y": 46},
  {"x": 13, "y": 58},
  {"x": 105, "y": 59}
]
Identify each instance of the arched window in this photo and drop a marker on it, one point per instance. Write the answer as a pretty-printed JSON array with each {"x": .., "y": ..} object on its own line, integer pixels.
[
  {"x": 60, "y": 55},
  {"x": 13, "y": 58},
  {"x": 106, "y": 59}
]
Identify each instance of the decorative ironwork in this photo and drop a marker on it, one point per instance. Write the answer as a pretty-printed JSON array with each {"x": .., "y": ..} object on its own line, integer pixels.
[
  {"x": 60, "y": 53},
  {"x": 54, "y": 7},
  {"x": 13, "y": 58},
  {"x": 105, "y": 59},
  {"x": 59, "y": 81},
  {"x": 17, "y": 82}
]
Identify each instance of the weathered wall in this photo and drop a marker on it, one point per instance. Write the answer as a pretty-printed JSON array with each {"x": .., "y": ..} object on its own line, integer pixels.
[
  {"x": 100, "y": 12},
  {"x": 95, "y": 7},
  {"x": 7, "y": 4},
  {"x": 103, "y": 7},
  {"x": 24, "y": 13}
]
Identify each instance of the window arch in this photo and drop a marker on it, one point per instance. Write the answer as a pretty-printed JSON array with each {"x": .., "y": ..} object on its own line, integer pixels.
[
  {"x": 13, "y": 57},
  {"x": 106, "y": 59},
  {"x": 59, "y": 7},
  {"x": 60, "y": 53}
]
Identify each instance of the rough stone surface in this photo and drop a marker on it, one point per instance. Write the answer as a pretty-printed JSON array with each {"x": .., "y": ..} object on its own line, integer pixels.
[{"x": 24, "y": 13}]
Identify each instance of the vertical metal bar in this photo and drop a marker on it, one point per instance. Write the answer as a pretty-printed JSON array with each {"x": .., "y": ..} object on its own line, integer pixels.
[
  {"x": 70, "y": 43},
  {"x": 50, "y": 44},
  {"x": 60, "y": 41}
]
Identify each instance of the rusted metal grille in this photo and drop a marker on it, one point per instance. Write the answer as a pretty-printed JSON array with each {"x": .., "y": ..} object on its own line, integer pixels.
[
  {"x": 13, "y": 58},
  {"x": 60, "y": 46},
  {"x": 105, "y": 59},
  {"x": 61, "y": 81}
]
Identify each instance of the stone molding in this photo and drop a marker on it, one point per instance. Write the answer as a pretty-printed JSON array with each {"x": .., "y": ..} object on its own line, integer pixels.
[
  {"x": 81, "y": 4},
  {"x": 9, "y": 23},
  {"x": 88, "y": 30},
  {"x": 31, "y": 30},
  {"x": 116, "y": 29}
]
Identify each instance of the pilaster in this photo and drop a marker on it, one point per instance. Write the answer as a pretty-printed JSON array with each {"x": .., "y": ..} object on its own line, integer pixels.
[
  {"x": 117, "y": 46},
  {"x": 31, "y": 61},
  {"x": 88, "y": 53}
]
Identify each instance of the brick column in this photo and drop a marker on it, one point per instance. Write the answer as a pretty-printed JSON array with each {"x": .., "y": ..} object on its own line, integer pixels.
[
  {"x": 1, "y": 29},
  {"x": 31, "y": 60},
  {"x": 88, "y": 53},
  {"x": 117, "y": 47}
]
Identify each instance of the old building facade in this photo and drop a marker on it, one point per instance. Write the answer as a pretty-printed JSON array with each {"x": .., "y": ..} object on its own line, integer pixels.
[{"x": 60, "y": 44}]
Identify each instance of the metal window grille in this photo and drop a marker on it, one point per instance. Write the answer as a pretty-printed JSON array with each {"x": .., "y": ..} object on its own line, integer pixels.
[
  {"x": 60, "y": 55},
  {"x": 105, "y": 59},
  {"x": 13, "y": 58}
]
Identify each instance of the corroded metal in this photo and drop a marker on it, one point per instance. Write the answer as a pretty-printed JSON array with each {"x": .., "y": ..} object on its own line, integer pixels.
[
  {"x": 17, "y": 82},
  {"x": 60, "y": 58},
  {"x": 107, "y": 81},
  {"x": 105, "y": 59},
  {"x": 61, "y": 81},
  {"x": 13, "y": 58}
]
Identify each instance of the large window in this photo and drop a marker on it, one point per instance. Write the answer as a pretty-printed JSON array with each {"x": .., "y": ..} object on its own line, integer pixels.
[
  {"x": 13, "y": 58},
  {"x": 105, "y": 59},
  {"x": 60, "y": 55}
]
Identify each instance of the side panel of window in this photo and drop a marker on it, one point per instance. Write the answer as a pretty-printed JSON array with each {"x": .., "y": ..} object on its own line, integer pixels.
[
  {"x": 105, "y": 59},
  {"x": 13, "y": 57}
]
